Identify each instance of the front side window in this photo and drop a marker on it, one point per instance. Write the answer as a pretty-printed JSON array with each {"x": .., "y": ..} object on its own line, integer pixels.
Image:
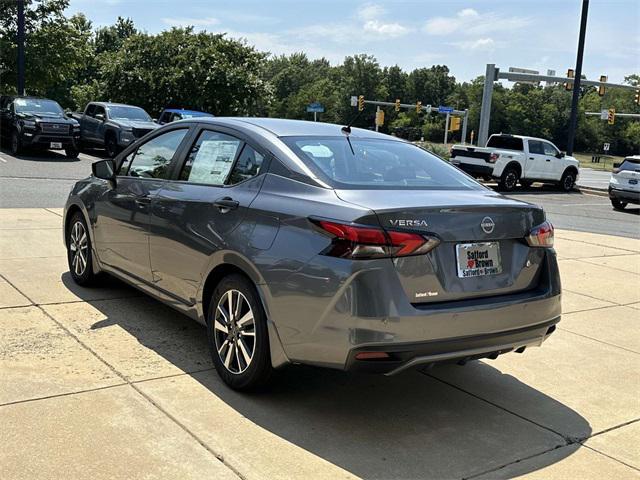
[
  {"x": 153, "y": 158},
  {"x": 354, "y": 163},
  {"x": 211, "y": 158},
  {"x": 549, "y": 149},
  {"x": 99, "y": 111}
]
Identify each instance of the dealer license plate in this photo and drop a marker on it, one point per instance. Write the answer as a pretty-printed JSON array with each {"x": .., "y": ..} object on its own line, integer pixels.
[{"x": 478, "y": 259}]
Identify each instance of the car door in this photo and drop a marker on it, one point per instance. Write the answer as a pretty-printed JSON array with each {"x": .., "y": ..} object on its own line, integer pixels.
[
  {"x": 535, "y": 160},
  {"x": 552, "y": 167},
  {"x": 6, "y": 117},
  {"x": 121, "y": 229},
  {"x": 97, "y": 129},
  {"x": 201, "y": 212}
]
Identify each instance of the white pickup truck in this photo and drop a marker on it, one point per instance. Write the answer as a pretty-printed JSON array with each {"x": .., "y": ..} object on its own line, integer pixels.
[{"x": 513, "y": 158}]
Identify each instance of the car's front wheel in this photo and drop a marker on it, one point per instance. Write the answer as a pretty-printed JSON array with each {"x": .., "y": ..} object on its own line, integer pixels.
[
  {"x": 79, "y": 255},
  {"x": 617, "y": 204},
  {"x": 568, "y": 181},
  {"x": 238, "y": 336},
  {"x": 16, "y": 144}
]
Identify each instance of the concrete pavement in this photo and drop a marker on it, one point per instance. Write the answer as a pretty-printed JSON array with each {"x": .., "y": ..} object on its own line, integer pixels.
[
  {"x": 596, "y": 179},
  {"x": 107, "y": 383}
]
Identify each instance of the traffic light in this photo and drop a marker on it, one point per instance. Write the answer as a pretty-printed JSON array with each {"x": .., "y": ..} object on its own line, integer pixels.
[
  {"x": 603, "y": 78},
  {"x": 570, "y": 74},
  {"x": 454, "y": 124},
  {"x": 360, "y": 103},
  {"x": 636, "y": 97},
  {"x": 611, "y": 118},
  {"x": 397, "y": 104},
  {"x": 418, "y": 106}
]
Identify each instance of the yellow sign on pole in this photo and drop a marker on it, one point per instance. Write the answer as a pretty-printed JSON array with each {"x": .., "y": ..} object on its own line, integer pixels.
[
  {"x": 380, "y": 118},
  {"x": 454, "y": 124}
]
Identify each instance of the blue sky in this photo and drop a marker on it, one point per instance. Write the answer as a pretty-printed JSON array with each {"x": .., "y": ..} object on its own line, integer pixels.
[{"x": 463, "y": 34}]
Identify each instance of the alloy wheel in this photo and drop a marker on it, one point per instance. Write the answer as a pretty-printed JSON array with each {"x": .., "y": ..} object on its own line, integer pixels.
[
  {"x": 234, "y": 331},
  {"x": 568, "y": 182},
  {"x": 79, "y": 248},
  {"x": 510, "y": 180}
]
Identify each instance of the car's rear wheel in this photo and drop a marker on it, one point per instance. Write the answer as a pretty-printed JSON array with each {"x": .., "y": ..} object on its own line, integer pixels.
[
  {"x": 509, "y": 179},
  {"x": 568, "y": 181},
  {"x": 237, "y": 332},
  {"x": 16, "y": 144},
  {"x": 617, "y": 204},
  {"x": 79, "y": 255}
]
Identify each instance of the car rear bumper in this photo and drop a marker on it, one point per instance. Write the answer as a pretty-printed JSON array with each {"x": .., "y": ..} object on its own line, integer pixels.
[
  {"x": 624, "y": 195},
  {"x": 473, "y": 169},
  {"x": 451, "y": 350}
]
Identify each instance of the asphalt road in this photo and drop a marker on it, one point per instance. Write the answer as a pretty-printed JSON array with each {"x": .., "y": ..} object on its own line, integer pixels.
[{"x": 44, "y": 180}]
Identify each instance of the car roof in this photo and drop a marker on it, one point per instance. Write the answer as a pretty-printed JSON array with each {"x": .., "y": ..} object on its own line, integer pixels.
[
  {"x": 293, "y": 128},
  {"x": 112, "y": 104},
  {"x": 520, "y": 136},
  {"x": 182, "y": 110}
]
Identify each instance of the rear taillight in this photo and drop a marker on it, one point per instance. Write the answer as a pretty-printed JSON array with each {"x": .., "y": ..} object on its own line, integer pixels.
[
  {"x": 493, "y": 158},
  {"x": 541, "y": 236},
  {"x": 359, "y": 242}
]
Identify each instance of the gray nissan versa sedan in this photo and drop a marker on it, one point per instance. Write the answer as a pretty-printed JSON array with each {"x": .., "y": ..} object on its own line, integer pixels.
[{"x": 301, "y": 242}]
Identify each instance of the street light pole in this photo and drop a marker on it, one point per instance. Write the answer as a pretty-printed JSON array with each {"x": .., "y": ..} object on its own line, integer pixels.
[
  {"x": 20, "y": 47},
  {"x": 576, "y": 83}
]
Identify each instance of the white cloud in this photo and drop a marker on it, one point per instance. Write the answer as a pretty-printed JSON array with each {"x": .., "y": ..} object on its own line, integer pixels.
[
  {"x": 191, "y": 22},
  {"x": 468, "y": 21},
  {"x": 370, "y": 11},
  {"x": 386, "y": 29},
  {"x": 480, "y": 44}
]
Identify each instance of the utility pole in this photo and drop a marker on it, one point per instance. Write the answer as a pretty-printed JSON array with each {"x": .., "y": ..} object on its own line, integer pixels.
[
  {"x": 446, "y": 129},
  {"x": 20, "y": 39},
  {"x": 576, "y": 83}
]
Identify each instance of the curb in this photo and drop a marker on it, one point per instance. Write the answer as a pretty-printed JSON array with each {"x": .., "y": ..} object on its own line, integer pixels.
[{"x": 593, "y": 191}]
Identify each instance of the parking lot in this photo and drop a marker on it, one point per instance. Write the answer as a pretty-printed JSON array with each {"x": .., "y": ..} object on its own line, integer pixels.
[{"x": 108, "y": 383}]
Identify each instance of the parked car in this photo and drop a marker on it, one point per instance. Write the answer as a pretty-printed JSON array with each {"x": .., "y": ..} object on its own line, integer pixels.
[
  {"x": 510, "y": 159},
  {"x": 113, "y": 126},
  {"x": 303, "y": 242},
  {"x": 623, "y": 186},
  {"x": 39, "y": 123},
  {"x": 169, "y": 115}
]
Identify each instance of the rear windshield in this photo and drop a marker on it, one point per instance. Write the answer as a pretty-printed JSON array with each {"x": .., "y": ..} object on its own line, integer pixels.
[
  {"x": 128, "y": 113},
  {"x": 373, "y": 163},
  {"x": 506, "y": 143},
  {"x": 632, "y": 164}
]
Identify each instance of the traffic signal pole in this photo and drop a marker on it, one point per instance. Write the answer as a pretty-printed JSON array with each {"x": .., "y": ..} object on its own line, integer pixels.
[
  {"x": 576, "y": 83},
  {"x": 20, "y": 41}
]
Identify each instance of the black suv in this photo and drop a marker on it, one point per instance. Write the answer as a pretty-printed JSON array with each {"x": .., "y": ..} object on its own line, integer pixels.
[{"x": 37, "y": 122}]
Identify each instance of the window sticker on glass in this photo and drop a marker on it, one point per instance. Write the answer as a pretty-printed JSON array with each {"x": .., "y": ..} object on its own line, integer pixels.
[{"x": 213, "y": 161}]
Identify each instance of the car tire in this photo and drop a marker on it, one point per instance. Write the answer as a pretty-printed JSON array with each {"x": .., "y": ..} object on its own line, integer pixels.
[
  {"x": 71, "y": 152},
  {"x": 16, "y": 143},
  {"x": 79, "y": 253},
  {"x": 568, "y": 181},
  {"x": 617, "y": 204},
  {"x": 111, "y": 146},
  {"x": 509, "y": 179},
  {"x": 238, "y": 335}
]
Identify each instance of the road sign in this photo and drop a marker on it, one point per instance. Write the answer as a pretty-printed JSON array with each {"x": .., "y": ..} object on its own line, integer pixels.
[
  {"x": 606, "y": 146},
  {"x": 442, "y": 109},
  {"x": 315, "y": 107},
  {"x": 428, "y": 107},
  {"x": 380, "y": 118},
  {"x": 604, "y": 114},
  {"x": 354, "y": 101}
]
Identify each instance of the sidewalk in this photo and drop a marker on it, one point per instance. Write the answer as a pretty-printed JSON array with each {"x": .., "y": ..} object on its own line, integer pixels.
[
  {"x": 108, "y": 384},
  {"x": 594, "y": 179}
]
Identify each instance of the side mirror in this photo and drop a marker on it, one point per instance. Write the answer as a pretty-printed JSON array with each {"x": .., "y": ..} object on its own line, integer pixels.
[
  {"x": 617, "y": 165},
  {"x": 104, "y": 169},
  {"x": 155, "y": 120},
  {"x": 560, "y": 154},
  {"x": 100, "y": 116}
]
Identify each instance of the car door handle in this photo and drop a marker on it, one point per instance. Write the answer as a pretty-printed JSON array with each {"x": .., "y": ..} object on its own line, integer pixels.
[
  {"x": 531, "y": 158},
  {"x": 548, "y": 159},
  {"x": 226, "y": 203}
]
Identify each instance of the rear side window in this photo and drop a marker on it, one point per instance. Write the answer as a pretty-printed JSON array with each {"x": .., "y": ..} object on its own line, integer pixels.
[
  {"x": 536, "y": 146},
  {"x": 364, "y": 163},
  {"x": 153, "y": 158},
  {"x": 247, "y": 166},
  {"x": 631, "y": 164},
  {"x": 506, "y": 143},
  {"x": 211, "y": 158}
]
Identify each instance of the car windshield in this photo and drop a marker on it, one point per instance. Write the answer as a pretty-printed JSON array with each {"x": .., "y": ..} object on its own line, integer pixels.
[
  {"x": 376, "y": 163},
  {"x": 38, "y": 106},
  {"x": 128, "y": 113}
]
